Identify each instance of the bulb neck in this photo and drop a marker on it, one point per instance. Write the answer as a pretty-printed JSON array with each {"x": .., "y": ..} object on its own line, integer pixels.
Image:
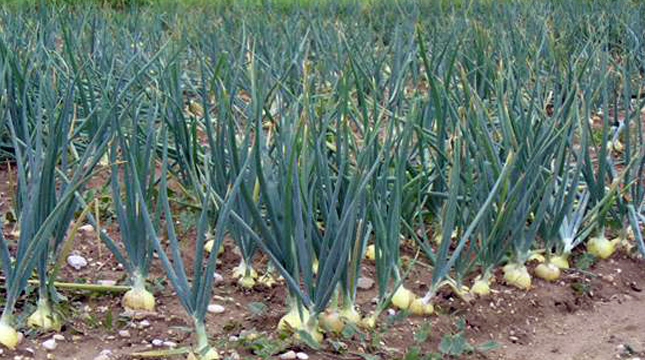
[
  {"x": 138, "y": 281},
  {"x": 200, "y": 333}
]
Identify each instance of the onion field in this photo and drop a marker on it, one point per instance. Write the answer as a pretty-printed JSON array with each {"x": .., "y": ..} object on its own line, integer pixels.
[{"x": 322, "y": 180}]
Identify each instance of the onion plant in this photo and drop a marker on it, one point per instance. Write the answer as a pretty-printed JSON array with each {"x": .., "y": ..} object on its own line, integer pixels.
[
  {"x": 193, "y": 295},
  {"x": 137, "y": 170},
  {"x": 45, "y": 210}
]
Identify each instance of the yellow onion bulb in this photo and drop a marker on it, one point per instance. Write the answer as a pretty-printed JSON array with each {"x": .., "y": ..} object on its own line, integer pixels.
[
  {"x": 211, "y": 354},
  {"x": 517, "y": 275},
  {"x": 246, "y": 282},
  {"x": 8, "y": 336},
  {"x": 209, "y": 247},
  {"x": 330, "y": 321},
  {"x": 560, "y": 261},
  {"x": 402, "y": 298},
  {"x": 244, "y": 270},
  {"x": 350, "y": 315},
  {"x": 44, "y": 317},
  {"x": 267, "y": 280},
  {"x": 138, "y": 298},
  {"x": 537, "y": 257},
  {"x": 370, "y": 252},
  {"x": 369, "y": 322},
  {"x": 419, "y": 307},
  {"x": 481, "y": 287},
  {"x": 548, "y": 271},
  {"x": 291, "y": 320},
  {"x": 600, "y": 247}
]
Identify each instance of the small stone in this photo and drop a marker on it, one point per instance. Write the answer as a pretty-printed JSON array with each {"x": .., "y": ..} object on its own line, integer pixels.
[
  {"x": 106, "y": 282},
  {"x": 215, "y": 309},
  {"x": 233, "y": 338},
  {"x": 218, "y": 278},
  {"x": 76, "y": 261},
  {"x": 86, "y": 229},
  {"x": 50, "y": 345},
  {"x": 170, "y": 344},
  {"x": 110, "y": 337},
  {"x": 50, "y": 356},
  {"x": 289, "y": 355},
  {"x": 58, "y": 337},
  {"x": 30, "y": 350},
  {"x": 124, "y": 333},
  {"x": 234, "y": 356},
  {"x": 144, "y": 324},
  {"x": 157, "y": 342},
  {"x": 514, "y": 338},
  {"x": 391, "y": 312},
  {"x": 302, "y": 356},
  {"x": 365, "y": 283}
]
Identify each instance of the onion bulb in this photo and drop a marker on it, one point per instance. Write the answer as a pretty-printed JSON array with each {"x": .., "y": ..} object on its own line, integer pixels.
[
  {"x": 537, "y": 257},
  {"x": 243, "y": 270},
  {"x": 600, "y": 247},
  {"x": 481, "y": 286},
  {"x": 246, "y": 282},
  {"x": 402, "y": 298},
  {"x": 211, "y": 354},
  {"x": 369, "y": 322},
  {"x": 8, "y": 335},
  {"x": 548, "y": 271},
  {"x": 330, "y": 321},
  {"x": 246, "y": 275},
  {"x": 349, "y": 315},
  {"x": 267, "y": 279},
  {"x": 560, "y": 261},
  {"x": 370, "y": 252},
  {"x": 291, "y": 320},
  {"x": 517, "y": 275},
  {"x": 44, "y": 317},
  {"x": 209, "y": 247},
  {"x": 138, "y": 298},
  {"x": 419, "y": 307}
]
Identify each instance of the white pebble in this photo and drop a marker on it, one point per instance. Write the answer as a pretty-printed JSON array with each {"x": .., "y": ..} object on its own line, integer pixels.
[
  {"x": 215, "y": 309},
  {"x": 170, "y": 344},
  {"x": 391, "y": 312},
  {"x": 289, "y": 355},
  {"x": 144, "y": 324},
  {"x": 124, "y": 333},
  {"x": 218, "y": 278},
  {"x": 106, "y": 282},
  {"x": 86, "y": 229},
  {"x": 76, "y": 261},
  {"x": 58, "y": 337},
  {"x": 50, "y": 345},
  {"x": 157, "y": 342},
  {"x": 302, "y": 356}
]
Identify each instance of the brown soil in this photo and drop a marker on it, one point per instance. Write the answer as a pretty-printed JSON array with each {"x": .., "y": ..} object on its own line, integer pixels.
[{"x": 598, "y": 314}]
